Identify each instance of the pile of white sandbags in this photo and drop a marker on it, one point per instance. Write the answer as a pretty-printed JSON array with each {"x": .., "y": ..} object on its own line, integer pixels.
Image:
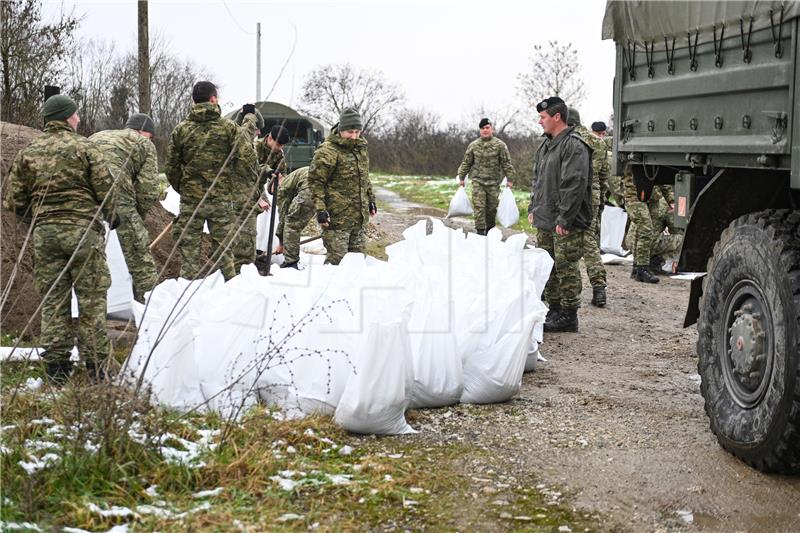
[{"x": 448, "y": 318}]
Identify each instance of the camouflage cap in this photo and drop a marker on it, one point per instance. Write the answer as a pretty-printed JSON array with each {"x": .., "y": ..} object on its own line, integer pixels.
[
  {"x": 599, "y": 126},
  {"x": 573, "y": 117},
  {"x": 350, "y": 119},
  {"x": 58, "y": 107},
  {"x": 141, "y": 122},
  {"x": 548, "y": 102}
]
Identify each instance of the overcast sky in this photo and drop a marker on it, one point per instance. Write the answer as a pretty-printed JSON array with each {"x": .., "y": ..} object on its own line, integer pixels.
[{"x": 450, "y": 57}]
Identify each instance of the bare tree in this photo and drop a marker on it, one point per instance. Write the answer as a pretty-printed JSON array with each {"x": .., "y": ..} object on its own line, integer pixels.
[
  {"x": 90, "y": 72},
  {"x": 554, "y": 70},
  {"x": 330, "y": 88},
  {"x": 507, "y": 120},
  {"x": 32, "y": 54}
]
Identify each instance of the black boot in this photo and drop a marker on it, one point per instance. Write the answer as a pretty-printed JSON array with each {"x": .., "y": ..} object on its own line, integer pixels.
[
  {"x": 293, "y": 265},
  {"x": 480, "y": 231},
  {"x": 97, "y": 373},
  {"x": 643, "y": 274},
  {"x": 566, "y": 320},
  {"x": 58, "y": 372},
  {"x": 656, "y": 262},
  {"x": 552, "y": 313},
  {"x": 599, "y": 296}
]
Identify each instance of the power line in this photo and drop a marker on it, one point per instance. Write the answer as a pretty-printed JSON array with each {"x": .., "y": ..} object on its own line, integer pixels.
[{"x": 236, "y": 21}]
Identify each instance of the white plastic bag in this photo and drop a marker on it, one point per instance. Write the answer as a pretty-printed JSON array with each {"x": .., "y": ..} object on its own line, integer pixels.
[
  {"x": 507, "y": 211},
  {"x": 612, "y": 230},
  {"x": 459, "y": 205}
]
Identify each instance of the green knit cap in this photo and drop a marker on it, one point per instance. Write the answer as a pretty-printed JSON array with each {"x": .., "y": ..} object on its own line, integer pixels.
[
  {"x": 573, "y": 118},
  {"x": 58, "y": 107},
  {"x": 350, "y": 119}
]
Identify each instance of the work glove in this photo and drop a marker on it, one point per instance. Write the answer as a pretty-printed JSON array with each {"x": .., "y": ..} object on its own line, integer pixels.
[
  {"x": 248, "y": 108},
  {"x": 373, "y": 209},
  {"x": 323, "y": 217},
  {"x": 460, "y": 180},
  {"x": 115, "y": 222}
]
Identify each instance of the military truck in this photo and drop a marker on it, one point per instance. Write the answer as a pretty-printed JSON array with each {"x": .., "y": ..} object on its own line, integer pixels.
[
  {"x": 306, "y": 133},
  {"x": 707, "y": 98}
]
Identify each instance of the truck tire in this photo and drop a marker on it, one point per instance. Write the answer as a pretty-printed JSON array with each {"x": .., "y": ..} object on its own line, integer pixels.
[{"x": 749, "y": 340}]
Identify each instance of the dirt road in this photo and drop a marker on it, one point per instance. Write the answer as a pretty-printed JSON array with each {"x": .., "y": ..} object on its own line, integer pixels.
[{"x": 613, "y": 421}]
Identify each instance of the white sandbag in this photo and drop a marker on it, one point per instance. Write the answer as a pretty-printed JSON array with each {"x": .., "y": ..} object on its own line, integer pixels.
[
  {"x": 375, "y": 397},
  {"x": 507, "y": 210},
  {"x": 459, "y": 204},
  {"x": 612, "y": 230}
]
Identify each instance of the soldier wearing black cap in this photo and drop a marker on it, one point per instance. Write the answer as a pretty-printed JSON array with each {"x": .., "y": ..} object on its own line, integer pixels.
[
  {"x": 132, "y": 159},
  {"x": 486, "y": 161},
  {"x": 561, "y": 209}
]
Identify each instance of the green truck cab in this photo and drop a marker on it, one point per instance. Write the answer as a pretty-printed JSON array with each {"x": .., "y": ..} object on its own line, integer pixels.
[
  {"x": 707, "y": 98},
  {"x": 306, "y": 133}
]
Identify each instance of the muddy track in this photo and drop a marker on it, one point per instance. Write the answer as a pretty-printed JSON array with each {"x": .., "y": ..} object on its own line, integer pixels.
[{"x": 614, "y": 420}]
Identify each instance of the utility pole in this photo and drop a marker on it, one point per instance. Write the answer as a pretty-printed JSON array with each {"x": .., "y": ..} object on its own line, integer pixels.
[
  {"x": 144, "y": 59},
  {"x": 258, "y": 61}
]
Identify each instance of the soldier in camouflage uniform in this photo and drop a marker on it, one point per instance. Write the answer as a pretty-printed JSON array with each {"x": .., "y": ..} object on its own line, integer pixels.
[
  {"x": 295, "y": 209},
  {"x": 561, "y": 209},
  {"x": 600, "y": 170},
  {"x": 664, "y": 244},
  {"x": 62, "y": 183},
  {"x": 210, "y": 160},
  {"x": 341, "y": 188},
  {"x": 486, "y": 161},
  {"x": 645, "y": 234},
  {"x": 133, "y": 162}
]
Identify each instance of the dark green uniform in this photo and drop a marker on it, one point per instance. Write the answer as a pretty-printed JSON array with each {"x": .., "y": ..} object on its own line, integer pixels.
[
  {"x": 295, "y": 209},
  {"x": 486, "y": 161},
  {"x": 340, "y": 184},
  {"x": 133, "y": 162},
  {"x": 210, "y": 161},
  {"x": 60, "y": 180}
]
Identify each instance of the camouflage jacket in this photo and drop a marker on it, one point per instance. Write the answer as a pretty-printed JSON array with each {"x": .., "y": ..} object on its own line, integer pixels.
[
  {"x": 339, "y": 181},
  {"x": 487, "y": 161},
  {"x": 600, "y": 166},
  {"x": 562, "y": 185},
  {"x": 133, "y": 162},
  {"x": 293, "y": 186},
  {"x": 199, "y": 148},
  {"x": 61, "y": 177}
]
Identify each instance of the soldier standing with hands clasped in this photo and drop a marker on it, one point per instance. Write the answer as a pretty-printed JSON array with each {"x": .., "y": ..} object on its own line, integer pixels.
[
  {"x": 486, "y": 161},
  {"x": 61, "y": 182},
  {"x": 339, "y": 181},
  {"x": 561, "y": 209}
]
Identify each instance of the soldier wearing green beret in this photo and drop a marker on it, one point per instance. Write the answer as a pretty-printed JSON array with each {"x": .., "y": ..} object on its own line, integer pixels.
[
  {"x": 341, "y": 188},
  {"x": 209, "y": 161},
  {"x": 486, "y": 161},
  {"x": 600, "y": 171},
  {"x": 132, "y": 159},
  {"x": 61, "y": 182}
]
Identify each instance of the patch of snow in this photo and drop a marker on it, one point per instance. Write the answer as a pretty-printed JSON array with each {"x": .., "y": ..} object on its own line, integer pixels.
[
  {"x": 19, "y": 526},
  {"x": 115, "y": 511},
  {"x": 208, "y": 493},
  {"x": 686, "y": 515},
  {"x": 33, "y": 466},
  {"x": 33, "y": 384},
  {"x": 345, "y": 450},
  {"x": 289, "y": 516}
]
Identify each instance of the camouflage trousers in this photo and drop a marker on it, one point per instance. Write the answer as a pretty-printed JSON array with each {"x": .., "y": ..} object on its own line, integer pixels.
[
  {"x": 294, "y": 216},
  {"x": 218, "y": 217},
  {"x": 564, "y": 285},
  {"x": 135, "y": 243},
  {"x": 646, "y": 234},
  {"x": 339, "y": 241},
  {"x": 53, "y": 246},
  {"x": 485, "y": 199},
  {"x": 243, "y": 249},
  {"x": 591, "y": 253}
]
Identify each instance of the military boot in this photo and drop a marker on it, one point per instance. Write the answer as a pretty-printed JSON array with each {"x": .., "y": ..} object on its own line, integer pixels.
[
  {"x": 480, "y": 231},
  {"x": 656, "y": 262},
  {"x": 643, "y": 274},
  {"x": 58, "y": 372},
  {"x": 599, "y": 296},
  {"x": 293, "y": 265},
  {"x": 566, "y": 320},
  {"x": 552, "y": 313}
]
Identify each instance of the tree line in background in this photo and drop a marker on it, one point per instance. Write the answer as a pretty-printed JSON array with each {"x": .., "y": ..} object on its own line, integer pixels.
[{"x": 103, "y": 83}]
